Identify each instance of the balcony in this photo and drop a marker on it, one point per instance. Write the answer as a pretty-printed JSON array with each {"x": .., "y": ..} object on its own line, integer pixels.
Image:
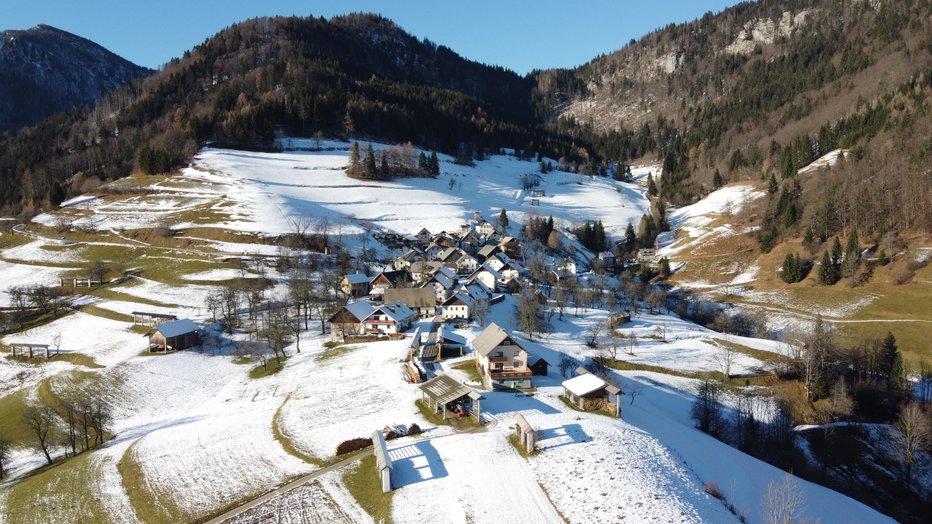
[{"x": 500, "y": 375}]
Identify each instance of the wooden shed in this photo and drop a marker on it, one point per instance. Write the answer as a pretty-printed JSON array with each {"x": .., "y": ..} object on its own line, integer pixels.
[
  {"x": 147, "y": 318},
  {"x": 589, "y": 392},
  {"x": 450, "y": 398},
  {"x": 173, "y": 336},
  {"x": 32, "y": 349},
  {"x": 539, "y": 367}
]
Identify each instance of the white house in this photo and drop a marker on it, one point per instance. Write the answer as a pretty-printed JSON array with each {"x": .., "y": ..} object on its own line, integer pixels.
[
  {"x": 457, "y": 307},
  {"x": 501, "y": 360}
]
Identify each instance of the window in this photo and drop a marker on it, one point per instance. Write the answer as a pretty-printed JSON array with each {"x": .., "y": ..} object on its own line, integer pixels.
[{"x": 499, "y": 354}]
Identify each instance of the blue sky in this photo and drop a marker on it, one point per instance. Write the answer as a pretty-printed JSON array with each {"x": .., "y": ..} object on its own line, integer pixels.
[{"x": 519, "y": 34}]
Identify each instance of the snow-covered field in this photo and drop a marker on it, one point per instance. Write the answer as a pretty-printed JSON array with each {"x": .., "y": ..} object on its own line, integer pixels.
[
  {"x": 267, "y": 192},
  {"x": 202, "y": 435}
]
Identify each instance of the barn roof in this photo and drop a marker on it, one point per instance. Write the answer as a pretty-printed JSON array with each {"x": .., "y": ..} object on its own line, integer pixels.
[
  {"x": 444, "y": 388},
  {"x": 177, "y": 327},
  {"x": 361, "y": 310},
  {"x": 587, "y": 383},
  {"x": 357, "y": 278},
  {"x": 413, "y": 297}
]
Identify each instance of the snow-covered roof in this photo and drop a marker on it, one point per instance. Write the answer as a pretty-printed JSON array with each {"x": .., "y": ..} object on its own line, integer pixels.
[
  {"x": 397, "y": 311},
  {"x": 461, "y": 297},
  {"x": 584, "y": 384},
  {"x": 357, "y": 278},
  {"x": 177, "y": 327},
  {"x": 361, "y": 310},
  {"x": 448, "y": 272}
]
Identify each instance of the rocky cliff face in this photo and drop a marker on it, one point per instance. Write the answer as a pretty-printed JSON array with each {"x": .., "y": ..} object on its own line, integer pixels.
[{"x": 46, "y": 70}]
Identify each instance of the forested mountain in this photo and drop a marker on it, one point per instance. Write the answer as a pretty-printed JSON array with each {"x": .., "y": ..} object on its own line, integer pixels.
[
  {"x": 46, "y": 70},
  {"x": 761, "y": 90},
  {"x": 355, "y": 75}
]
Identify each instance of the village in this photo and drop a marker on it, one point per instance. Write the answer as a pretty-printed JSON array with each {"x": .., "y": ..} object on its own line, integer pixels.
[{"x": 384, "y": 372}]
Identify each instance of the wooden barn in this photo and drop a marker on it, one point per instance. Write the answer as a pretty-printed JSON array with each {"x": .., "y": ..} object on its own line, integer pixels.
[
  {"x": 589, "y": 392},
  {"x": 173, "y": 336},
  {"x": 539, "y": 367}
]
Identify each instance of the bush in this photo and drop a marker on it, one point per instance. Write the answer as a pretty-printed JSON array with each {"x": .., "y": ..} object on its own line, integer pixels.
[
  {"x": 712, "y": 489},
  {"x": 414, "y": 429},
  {"x": 349, "y": 446}
]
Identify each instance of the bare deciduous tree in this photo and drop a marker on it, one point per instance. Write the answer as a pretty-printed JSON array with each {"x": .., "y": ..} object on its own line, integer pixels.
[
  {"x": 592, "y": 334},
  {"x": 567, "y": 365},
  {"x": 783, "y": 502},
  {"x": 5, "y": 446},
  {"x": 912, "y": 435},
  {"x": 41, "y": 420},
  {"x": 480, "y": 309},
  {"x": 725, "y": 356},
  {"x": 528, "y": 313}
]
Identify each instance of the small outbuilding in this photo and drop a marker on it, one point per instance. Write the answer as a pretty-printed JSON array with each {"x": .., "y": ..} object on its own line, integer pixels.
[
  {"x": 149, "y": 319},
  {"x": 449, "y": 398},
  {"x": 173, "y": 336},
  {"x": 589, "y": 392},
  {"x": 383, "y": 463},
  {"x": 539, "y": 367},
  {"x": 27, "y": 347}
]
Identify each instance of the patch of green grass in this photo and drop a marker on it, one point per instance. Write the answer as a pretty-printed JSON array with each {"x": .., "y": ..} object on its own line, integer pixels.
[
  {"x": 429, "y": 414},
  {"x": 8, "y": 240},
  {"x": 624, "y": 365},
  {"x": 78, "y": 359},
  {"x": 364, "y": 484},
  {"x": 64, "y": 492},
  {"x": 115, "y": 294},
  {"x": 151, "y": 505},
  {"x": 513, "y": 440},
  {"x": 469, "y": 367},
  {"x": 242, "y": 361},
  {"x": 287, "y": 444},
  {"x": 759, "y": 354},
  {"x": 91, "y": 309},
  {"x": 271, "y": 368},
  {"x": 334, "y": 352},
  {"x": 12, "y": 407}
]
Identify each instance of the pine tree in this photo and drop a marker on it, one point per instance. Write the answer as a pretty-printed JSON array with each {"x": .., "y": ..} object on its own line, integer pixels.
[
  {"x": 892, "y": 363},
  {"x": 772, "y": 185},
  {"x": 808, "y": 237},
  {"x": 503, "y": 219},
  {"x": 434, "y": 164},
  {"x": 354, "y": 159},
  {"x": 852, "y": 254},
  {"x": 717, "y": 180},
  {"x": 370, "y": 169},
  {"x": 550, "y": 225},
  {"x": 828, "y": 273},
  {"x": 665, "y": 268},
  {"x": 598, "y": 236},
  {"x": 836, "y": 252},
  {"x": 631, "y": 239},
  {"x": 384, "y": 170},
  {"x": 422, "y": 164},
  {"x": 792, "y": 272},
  {"x": 651, "y": 186}
]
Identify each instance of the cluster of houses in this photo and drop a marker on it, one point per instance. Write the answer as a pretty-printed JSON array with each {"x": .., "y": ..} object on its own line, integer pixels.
[{"x": 439, "y": 275}]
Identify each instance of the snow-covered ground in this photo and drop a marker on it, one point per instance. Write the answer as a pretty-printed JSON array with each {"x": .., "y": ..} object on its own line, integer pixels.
[
  {"x": 203, "y": 435},
  {"x": 267, "y": 192},
  {"x": 827, "y": 160}
]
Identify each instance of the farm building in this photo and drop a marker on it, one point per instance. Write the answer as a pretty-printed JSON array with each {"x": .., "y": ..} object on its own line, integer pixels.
[
  {"x": 173, "y": 336},
  {"x": 361, "y": 318},
  {"x": 589, "y": 392},
  {"x": 501, "y": 360},
  {"x": 148, "y": 319},
  {"x": 389, "y": 279},
  {"x": 449, "y": 398},
  {"x": 355, "y": 285},
  {"x": 422, "y": 301}
]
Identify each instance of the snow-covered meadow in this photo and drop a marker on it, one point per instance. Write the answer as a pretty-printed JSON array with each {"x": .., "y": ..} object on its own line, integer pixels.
[{"x": 199, "y": 435}]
